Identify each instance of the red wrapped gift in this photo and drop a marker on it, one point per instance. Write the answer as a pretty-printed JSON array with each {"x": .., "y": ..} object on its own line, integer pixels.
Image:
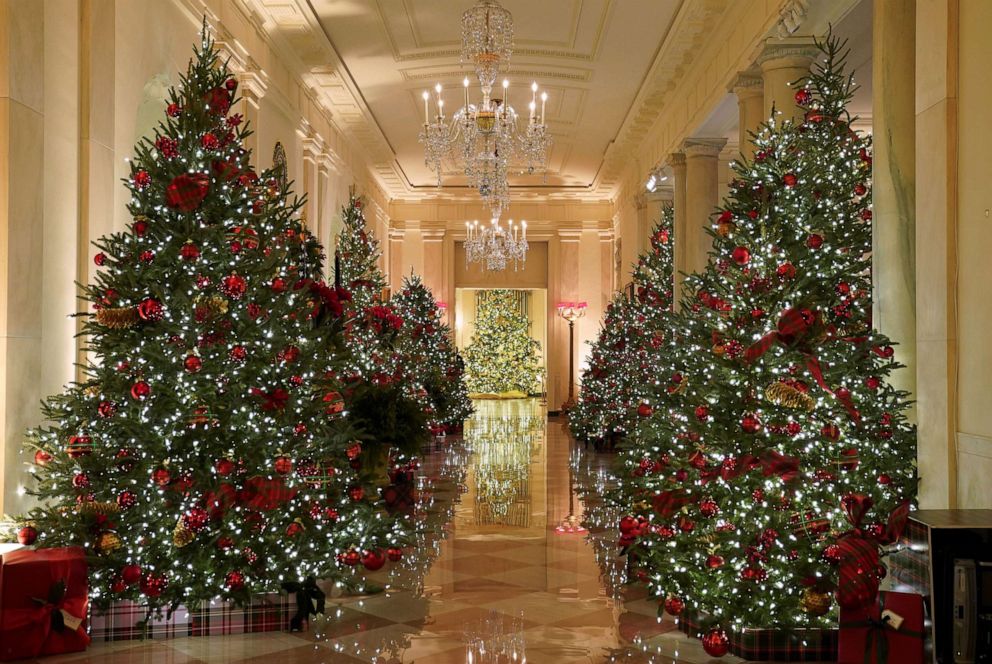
[
  {"x": 889, "y": 631},
  {"x": 43, "y": 602}
]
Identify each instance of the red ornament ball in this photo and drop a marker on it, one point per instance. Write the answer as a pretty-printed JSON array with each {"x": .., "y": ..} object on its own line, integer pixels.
[
  {"x": 238, "y": 353},
  {"x": 394, "y": 553},
  {"x": 140, "y": 227},
  {"x": 105, "y": 409},
  {"x": 884, "y": 479},
  {"x": 161, "y": 476},
  {"x": 147, "y": 256},
  {"x": 192, "y": 364},
  {"x": 131, "y": 574},
  {"x": 832, "y": 554},
  {"x": 189, "y": 252},
  {"x": 860, "y": 189},
  {"x": 356, "y": 493},
  {"x": 27, "y": 535},
  {"x": 234, "y": 286},
  {"x": 173, "y": 110},
  {"x": 140, "y": 391},
  {"x": 750, "y": 424},
  {"x": 234, "y": 581},
  {"x": 278, "y": 285},
  {"x": 126, "y": 499},
  {"x": 351, "y": 558},
  {"x": 644, "y": 410},
  {"x": 118, "y": 586},
  {"x": 141, "y": 179},
  {"x": 709, "y": 508},
  {"x": 80, "y": 480},
  {"x": 41, "y": 458},
  {"x": 224, "y": 467},
  {"x": 628, "y": 524},
  {"x": 283, "y": 465},
  {"x": 714, "y": 561},
  {"x": 741, "y": 255},
  {"x": 196, "y": 519},
  {"x": 674, "y": 606},
  {"x": 153, "y": 585},
  {"x": 789, "y": 179},
  {"x": 150, "y": 310},
  {"x": 100, "y": 259},
  {"x": 231, "y": 84},
  {"x": 814, "y": 241},
  {"x": 702, "y": 413},
  {"x": 803, "y": 97},
  {"x": 716, "y": 643},
  {"x": 294, "y": 529},
  {"x": 373, "y": 560},
  {"x": 866, "y": 215},
  {"x": 872, "y": 383},
  {"x": 793, "y": 428}
]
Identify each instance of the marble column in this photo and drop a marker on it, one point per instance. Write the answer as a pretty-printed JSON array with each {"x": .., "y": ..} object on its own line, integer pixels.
[
  {"x": 749, "y": 90},
  {"x": 702, "y": 181},
  {"x": 312, "y": 147},
  {"x": 251, "y": 87},
  {"x": 783, "y": 62},
  {"x": 894, "y": 180},
  {"x": 677, "y": 162}
]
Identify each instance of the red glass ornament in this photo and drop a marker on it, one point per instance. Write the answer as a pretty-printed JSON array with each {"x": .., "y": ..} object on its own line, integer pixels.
[
  {"x": 793, "y": 428},
  {"x": 41, "y": 458},
  {"x": 118, "y": 586},
  {"x": 644, "y": 410},
  {"x": 173, "y": 110},
  {"x": 234, "y": 286},
  {"x": 161, "y": 476},
  {"x": 356, "y": 493},
  {"x": 238, "y": 353},
  {"x": 231, "y": 84},
  {"x": 224, "y": 467},
  {"x": 106, "y": 409},
  {"x": 860, "y": 189},
  {"x": 140, "y": 390},
  {"x": 141, "y": 179},
  {"x": 27, "y": 535},
  {"x": 714, "y": 561},
  {"x": 146, "y": 256},
  {"x": 234, "y": 581},
  {"x": 140, "y": 227},
  {"x": 80, "y": 480},
  {"x": 209, "y": 141},
  {"x": 394, "y": 553},
  {"x": 192, "y": 363},
  {"x": 278, "y": 285},
  {"x": 351, "y": 558},
  {"x": 866, "y": 215},
  {"x": 153, "y": 585},
  {"x": 283, "y": 465},
  {"x": 300, "y": 429},
  {"x": 814, "y": 241},
  {"x": 294, "y": 529},
  {"x": 709, "y": 508},
  {"x": 702, "y": 413},
  {"x": 674, "y": 606},
  {"x": 750, "y": 424},
  {"x": 224, "y": 543},
  {"x": 803, "y": 97},
  {"x": 884, "y": 479},
  {"x": 789, "y": 179},
  {"x": 127, "y": 499},
  {"x": 373, "y": 560},
  {"x": 716, "y": 643},
  {"x": 189, "y": 252},
  {"x": 741, "y": 255},
  {"x": 100, "y": 259},
  {"x": 195, "y": 519}
]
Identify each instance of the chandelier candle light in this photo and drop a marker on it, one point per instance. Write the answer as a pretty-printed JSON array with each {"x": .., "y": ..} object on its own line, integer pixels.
[
  {"x": 495, "y": 246},
  {"x": 484, "y": 138}
]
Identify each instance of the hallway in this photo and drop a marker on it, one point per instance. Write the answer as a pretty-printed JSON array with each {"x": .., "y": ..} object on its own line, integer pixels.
[{"x": 500, "y": 571}]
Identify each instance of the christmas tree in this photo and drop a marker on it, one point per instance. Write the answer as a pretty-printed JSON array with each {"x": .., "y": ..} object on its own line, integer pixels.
[
  {"x": 425, "y": 340},
  {"x": 502, "y": 356},
  {"x": 624, "y": 358},
  {"x": 358, "y": 253},
  {"x": 769, "y": 480},
  {"x": 204, "y": 452}
]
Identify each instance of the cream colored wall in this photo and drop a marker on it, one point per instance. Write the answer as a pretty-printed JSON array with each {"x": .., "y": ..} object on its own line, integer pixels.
[
  {"x": 80, "y": 82},
  {"x": 974, "y": 201}
]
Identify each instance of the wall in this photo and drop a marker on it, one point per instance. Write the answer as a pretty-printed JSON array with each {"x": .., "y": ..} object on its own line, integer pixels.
[{"x": 80, "y": 82}]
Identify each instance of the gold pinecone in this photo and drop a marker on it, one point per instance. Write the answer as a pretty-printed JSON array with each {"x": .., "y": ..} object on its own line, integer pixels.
[
  {"x": 105, "y": 509},
  {"x": 117, "y": 318},
  {"x": 182, "y": 536},
  {"x": 788, "y": 396},
  {"x": 814, "y": 602},
  {"x": 108, "y": 541},
  {"x": 215, "y": 304}
]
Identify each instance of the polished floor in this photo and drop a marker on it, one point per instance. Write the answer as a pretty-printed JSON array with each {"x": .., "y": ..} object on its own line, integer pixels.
[{"x": 506, "y": 571}]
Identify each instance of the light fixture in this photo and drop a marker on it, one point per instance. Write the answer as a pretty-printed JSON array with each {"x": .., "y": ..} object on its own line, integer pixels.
[
  {"x": 571, "y": 312},
  {"x": 484, "y": 137},
  {"x": 495, "y": 246}
]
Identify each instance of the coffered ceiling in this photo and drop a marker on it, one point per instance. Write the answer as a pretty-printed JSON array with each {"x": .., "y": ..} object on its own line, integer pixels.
[{"x": 591, "y": 56}]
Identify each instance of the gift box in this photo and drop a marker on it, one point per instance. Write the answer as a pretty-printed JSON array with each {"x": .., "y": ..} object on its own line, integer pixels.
[
  {"x": 771, "y": 645},
  {"x": 890, "y": 630},
  {"x": 43, "y": 602}
]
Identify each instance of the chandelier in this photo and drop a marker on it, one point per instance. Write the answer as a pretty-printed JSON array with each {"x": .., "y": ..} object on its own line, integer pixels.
[
  {"x": 495, "y": 246},
  {"x": 484, "y": 137}
]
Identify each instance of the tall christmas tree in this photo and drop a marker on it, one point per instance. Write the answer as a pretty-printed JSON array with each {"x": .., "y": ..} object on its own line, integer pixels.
[
  {"x": 620, "y": 362},
  {"x": 358, "y": 252},
  {"x": 425, "y": 340},
  {"x": 502, "y": 356},
  {"x": 204, "y": 452},
  {"x": 771, "y": 479}
]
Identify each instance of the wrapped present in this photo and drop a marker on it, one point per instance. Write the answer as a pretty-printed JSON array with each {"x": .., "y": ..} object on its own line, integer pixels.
[
  {"x": 889, "y": 631},
  {"x": 44, "y": 598},
  {"x": 768, "y": 644}
]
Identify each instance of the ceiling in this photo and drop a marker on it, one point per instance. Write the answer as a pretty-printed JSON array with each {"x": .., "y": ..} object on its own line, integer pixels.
[{"x": 591, "y": 56}]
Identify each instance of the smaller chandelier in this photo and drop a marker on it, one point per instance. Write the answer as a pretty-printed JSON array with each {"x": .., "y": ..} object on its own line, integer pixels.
[{"x": 495, "y": 246}]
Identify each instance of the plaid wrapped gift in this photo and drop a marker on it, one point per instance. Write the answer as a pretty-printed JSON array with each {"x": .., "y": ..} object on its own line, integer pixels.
[
  {"x": 771, "y": 645},
  {"x": 127, "y": 620},
  {"x": 889, "y": 631}
]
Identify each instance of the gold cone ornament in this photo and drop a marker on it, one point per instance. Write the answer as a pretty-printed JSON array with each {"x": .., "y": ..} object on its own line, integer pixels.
[
  {"x": 814, "y": 602},
  {"x": 118, "y": 318},
  {"x": 108, "y": 541},
  {"x": 94, "y": 507},
  {"x": 182, "y": 536},
  {"x": 788, "y": 396}
]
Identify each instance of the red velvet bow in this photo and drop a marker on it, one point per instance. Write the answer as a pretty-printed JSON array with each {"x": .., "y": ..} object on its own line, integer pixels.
[
  {"x": 274, "y": 400},
  {"x": 265, "y": 494},
  {"x": 776, "y": 463},
  {"x": 668, "y": 503}
]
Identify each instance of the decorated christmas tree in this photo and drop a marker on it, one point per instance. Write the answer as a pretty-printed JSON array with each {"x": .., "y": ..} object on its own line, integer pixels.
[
  {"x": 625, "y": 357},
  {"x": 502, "y": 356},
  {"x": 768, "y": 482},
  {"x": 204, "y": 452},
  {"x": 358, "y": 255},
  {"x": 425, "y": 340}
]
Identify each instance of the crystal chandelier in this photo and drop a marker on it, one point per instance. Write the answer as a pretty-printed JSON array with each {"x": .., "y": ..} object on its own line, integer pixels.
[
  {"x": 484, "y": 137},
  {"x": 495, "y": 246}
]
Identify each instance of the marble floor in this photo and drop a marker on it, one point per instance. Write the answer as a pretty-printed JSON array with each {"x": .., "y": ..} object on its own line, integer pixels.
[{"x": 505, "y": 571}]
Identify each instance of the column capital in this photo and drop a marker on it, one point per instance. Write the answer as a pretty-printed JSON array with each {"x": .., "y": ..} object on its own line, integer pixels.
[
  {"x": 703, "y": 147},
  {"x": 789, "y": 52},
  {"x": 640, "y": 200},
  {"x": 747, "y": 83},
  {"x": 253, "y": 84},
  {"x": 676, "y": 160}
]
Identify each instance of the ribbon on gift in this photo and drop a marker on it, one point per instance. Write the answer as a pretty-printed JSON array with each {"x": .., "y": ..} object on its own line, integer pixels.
[
  {"x": 309, "y": 601},
  {"x": 54, "y": 613},
  {"x": 877, "y": 638},
  {"x": 858, "y": 579},
  {"x": 792, "y": 327}
]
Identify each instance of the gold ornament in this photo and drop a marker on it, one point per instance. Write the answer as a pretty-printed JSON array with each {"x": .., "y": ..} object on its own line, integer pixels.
[
  {"x": 719, "y": 350},
  {"x": 94, "y": 507},
  {"x": 788, "y": 396},
  {"x": 92, "y": 391},
  {"x": 726, "y": 229},
  {"x": 182, "y": 536},
  {"x": 215, "y": 305},
  {"x": 814, "y": 602},
  {"x": 117, "y": 318},
  {"x": 203, "y": 417},
  {"x": 108, "y": 541}
]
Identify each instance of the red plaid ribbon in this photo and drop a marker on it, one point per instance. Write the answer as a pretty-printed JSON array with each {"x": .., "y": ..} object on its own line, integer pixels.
[{"x": 187, "y": 191}]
